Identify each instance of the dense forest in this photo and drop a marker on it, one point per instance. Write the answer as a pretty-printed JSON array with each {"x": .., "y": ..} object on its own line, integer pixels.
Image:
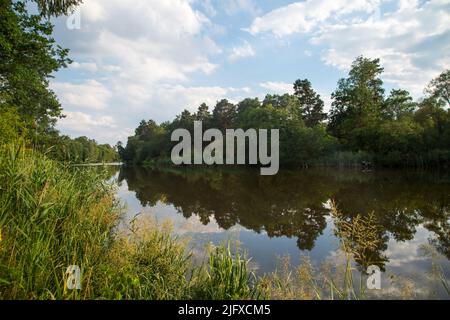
[
  {"x": 29, "y": 109},
  {"x": 364, "y": 124}
]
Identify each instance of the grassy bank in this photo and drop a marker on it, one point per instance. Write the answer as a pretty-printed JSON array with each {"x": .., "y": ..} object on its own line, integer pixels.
[{"x": 53, "y": 216}]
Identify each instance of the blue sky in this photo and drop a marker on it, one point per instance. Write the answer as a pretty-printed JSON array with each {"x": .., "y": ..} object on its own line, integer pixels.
[{"x": 150, "y": 59}]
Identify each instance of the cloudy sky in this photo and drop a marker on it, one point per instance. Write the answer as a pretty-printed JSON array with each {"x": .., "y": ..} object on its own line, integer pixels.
[{"x": 150, "y": 59}]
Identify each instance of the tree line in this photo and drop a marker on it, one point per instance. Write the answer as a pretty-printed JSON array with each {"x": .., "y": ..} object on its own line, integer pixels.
[
  {"x": 364, "y": 124},
  {"x": 29, "y": 109}
]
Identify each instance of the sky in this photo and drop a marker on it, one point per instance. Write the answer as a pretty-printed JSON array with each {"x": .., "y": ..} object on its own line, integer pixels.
[{"x": 151, "y": 59}]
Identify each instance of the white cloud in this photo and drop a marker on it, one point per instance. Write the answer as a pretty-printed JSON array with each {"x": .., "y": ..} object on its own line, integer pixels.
[
  {"x": 94, "y": 67},
  {"x": 88, "y": 95},
  {"x": 278, "y": 87},
  {"x": 233, "y": 7},
  {"x": 149, "y": 40},
  {"x": 413, "y": 41},
  {"x": 135, "y": 49},
  {"x": 84, "y": 122},
  {"x": 182, "y": 97},
  {"x": 243, "y": 51},
  {"x": 208, "y": 7},
  {"x": 306, "y": 15},
  {"x": 88, "y": 66},
  {"x": 102, "y": 128},
  {"x": 93, "y": 11}
]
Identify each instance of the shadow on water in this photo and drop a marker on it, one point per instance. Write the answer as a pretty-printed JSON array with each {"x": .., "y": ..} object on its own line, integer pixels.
[{"x": 296, "y": 204}]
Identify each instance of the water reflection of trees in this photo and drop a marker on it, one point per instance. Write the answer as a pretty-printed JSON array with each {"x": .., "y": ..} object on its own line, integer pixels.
[{"x": 295, "y": 204}]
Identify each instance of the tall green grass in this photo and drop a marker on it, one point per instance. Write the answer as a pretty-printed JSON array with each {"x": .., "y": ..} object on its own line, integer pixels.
[
  {"x": 51, "y": 216},
  {"x": 227, "y": 276}
]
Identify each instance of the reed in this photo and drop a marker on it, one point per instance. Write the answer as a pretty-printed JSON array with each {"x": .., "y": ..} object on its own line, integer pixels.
[
  {"x": 51, "y": 216},
  {"x": 226, "y": 276}
]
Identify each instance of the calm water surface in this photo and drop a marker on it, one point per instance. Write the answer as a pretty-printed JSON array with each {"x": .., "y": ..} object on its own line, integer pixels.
[{"x": 289, "y": 214}]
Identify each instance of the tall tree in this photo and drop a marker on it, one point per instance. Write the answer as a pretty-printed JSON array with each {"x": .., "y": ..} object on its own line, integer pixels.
[
  {"x": 357, "y": 104},
  {"x": 439, "y": 88},
  {"x": 224, "y": 114},
  {"x": 203, "y": 114},
  {"x": 310, "y": 103}
]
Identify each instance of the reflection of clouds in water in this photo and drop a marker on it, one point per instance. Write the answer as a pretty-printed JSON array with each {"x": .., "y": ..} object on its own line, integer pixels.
[
  {"x": 194, "y": 225},
  {"x": 189, "y": 225},
  {"x": 279, "y": 219},
  {"x": 403, "y": 254},
  {"x": 409, "y": 271},
  {"x": 163, "y": 211},
  {"x": 395, "y": 283}
]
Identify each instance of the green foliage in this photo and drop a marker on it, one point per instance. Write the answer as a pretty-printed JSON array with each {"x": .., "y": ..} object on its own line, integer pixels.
[
  {"x": 310, "y": 103},
  {"x": 439, "y": 88},
  {"x": 148, "y": 142},
  {"x": 398, "y": 105},
  {"x": 56, "y": 7},
  {"x": 224, "y": 115},
  {"x": 225, "y": 277},
  {"x": 83, "y": 150},
  {"x": 147, "y": 263},
  {"x": 357, "y": 104},
  {"x": 10, "y": 124},
  {"x": 299, "y": 144},
  {"x": 51, "y": 216},
  {"x": 29, "y": 56}
]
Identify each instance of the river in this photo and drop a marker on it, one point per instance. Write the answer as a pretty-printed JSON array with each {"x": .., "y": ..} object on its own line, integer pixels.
[{"x": 289, "y": 214}]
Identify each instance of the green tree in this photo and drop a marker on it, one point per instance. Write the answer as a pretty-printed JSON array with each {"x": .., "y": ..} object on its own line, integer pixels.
[
  {"x": 358, "y": 100},
  {"x": 28, "y": 58},
  {"x": 203, "y": 115},
  {"x": 288, "y": 102},
  {"x": 435, "y": 121},
  {"x": 185, "y": 120},
  {"x": 398, "y": 104},
  {"x": 248, "y": 104},
  {"x": 310, "y": 103},
  {"x": 439, "y": 88},
  {"x": 224, "y": 114}
]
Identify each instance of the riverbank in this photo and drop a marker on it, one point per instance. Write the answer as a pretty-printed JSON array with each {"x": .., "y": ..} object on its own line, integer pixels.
[{"x": 53, "y": 216}]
